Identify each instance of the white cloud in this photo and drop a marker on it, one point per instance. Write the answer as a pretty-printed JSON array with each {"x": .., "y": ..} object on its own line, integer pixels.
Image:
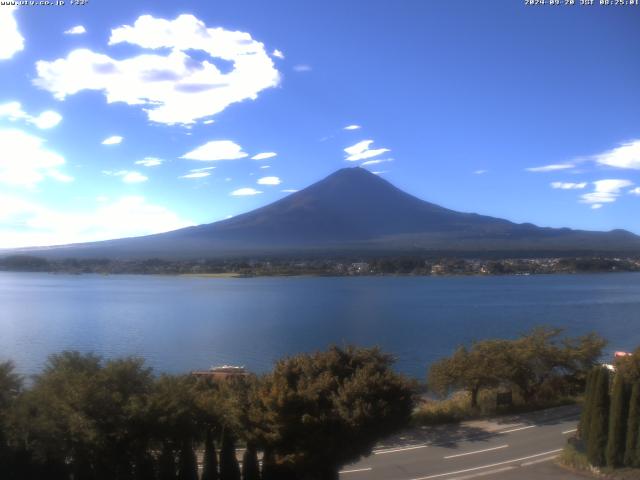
[
  {"x": 24, "y": 161},
  {"x": 242, "y": 192},
  {"x": 128, "y": 176},
  {"x": 352, "y": 127},
  {"x": 302, "y": 68},
  {"x": 635, "y": 191},
  {"x": 216, "y": 150},
  {"x": 208, "y": 122},
  {"x": 278, "y": 54},
  {"x": 568, "y": 185},
  {"x": 77, "y": 30},
  {"x": 149, "y": 162},
  {"x": 289, "y": 190},
  {"x": 196, "y": 175},
  {"x": 376, "y": 162},
  {"x": 596, "y": 206},
  {"x": 265, "y": 166},
  {"x": 269, "y": 181},
  {"x": 172, "y": 86},
  {"x": 264, "y": 155},
  {"x": 361, "y": 151},
  {"x": 13, "y": 111},
  {"x": 479, "y": 172},
  {"x": 113, "y": 140},
  {"x": 626, "y": 155},
  {"x": 380, "y": 172},
  {"x": 551, "y": 168},
  {"x": 203, "y": 169},
  {"x": 11, "y": 41},
  {"x": 605, "y": 191},
  {"x": 25, "y": 223}
]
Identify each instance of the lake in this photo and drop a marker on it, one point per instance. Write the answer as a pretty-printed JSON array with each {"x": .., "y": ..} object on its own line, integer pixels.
[{"x": 180, "y": 324}]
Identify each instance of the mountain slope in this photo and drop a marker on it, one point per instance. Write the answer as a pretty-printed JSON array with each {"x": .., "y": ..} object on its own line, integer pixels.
[{"x": 355, "y": 211}]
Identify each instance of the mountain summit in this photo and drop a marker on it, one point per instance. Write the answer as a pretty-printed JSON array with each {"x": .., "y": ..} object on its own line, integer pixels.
[{"x": 354, "y": 211}]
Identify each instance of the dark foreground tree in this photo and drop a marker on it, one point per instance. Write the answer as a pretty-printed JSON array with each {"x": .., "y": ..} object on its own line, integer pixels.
[
  {"x": 167, "y": 468},
  {"x": 618, "y": 418},
  {"x": 633, "y": 426},
  {"x": 585, "y": 416},
  {"x": 250, "y": 466},
  {"x": 327, "y": 409},
  {"x": 188, "y": 465},
  {"x": 229, "y": 468},
  {"x": 599, "y": 422},
  {"x": 210, "y": 460}
]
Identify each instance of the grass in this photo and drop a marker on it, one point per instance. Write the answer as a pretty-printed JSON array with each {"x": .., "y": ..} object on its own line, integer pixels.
[{"x": 575, "y": 459}]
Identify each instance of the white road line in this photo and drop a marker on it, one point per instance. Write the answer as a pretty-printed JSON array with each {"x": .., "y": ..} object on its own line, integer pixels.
[
  {"x": 355, "y": 470},
  {"x": 484, "y": 474},
  {"x": 477, "y": 451},
  {"x": 540, "y": 460},
  {"x": 570, "y": 431},
  {"x": 394, "y": 450},
  {"x": 517, "y": 429},
  {"x": 488, "y": 466}
]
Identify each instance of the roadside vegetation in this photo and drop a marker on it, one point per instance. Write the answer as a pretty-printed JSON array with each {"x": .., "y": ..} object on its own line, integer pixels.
[
  {"x": 540, "y": 369},
  {"x": 608, "y": 437},
  {"x": 83, "y": 418}
]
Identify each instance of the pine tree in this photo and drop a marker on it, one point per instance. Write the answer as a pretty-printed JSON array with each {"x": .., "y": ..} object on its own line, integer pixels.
[
  {"x": 599, "y": 422},
  {"x": 618, "y": 418},
  {"x": 167, "y": 464},
  {"x": 188, "y": 465},
  {"x": 583, "y": 425},
  {"x": 250, "y": 466},
  {"x": 210, "y": 467},
  {"x": 269, "y": 465},
  {"x": 632, "y": 446},
  {"x": 229, "y": 468}
]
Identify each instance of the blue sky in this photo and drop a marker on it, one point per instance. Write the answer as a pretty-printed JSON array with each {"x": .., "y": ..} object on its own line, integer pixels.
[{"x": 125, "y": 118}]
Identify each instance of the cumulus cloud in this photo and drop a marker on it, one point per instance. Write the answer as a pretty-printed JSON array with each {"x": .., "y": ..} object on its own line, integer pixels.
[
  {"x": 216, "y": 150},
  {"x": 264, "y": 155},
  {"x": 77, "y": 30},
  {"x": 361, "y": 151},
  {"x": 568, "y": 185},
  {"x": 243, "y": 192},
  {"x": 128, "y": 176},
  {"x": 149, "y": 162},
  {"x": 167, "y": 81},
  {"x": 25, "y": 162},
  {"x": 11, "y": 41},
  {"x": 25, "y": 223},
  {"x": 278, "y": 54},
  {"x": 635, "y": 191},
  {"x": 626, "y": 155},
  {"x": 196, "y": 175},
  {"x": 605, "y": 191},
  {"x": 302, "y": 68},
  {"x": 13, "y": 111},
  {"x": 352, "y": 127},
  {"x": 551, "y": 168},
  {"x": 269, "y": 181},
  {"x": 113, "y": 140}
]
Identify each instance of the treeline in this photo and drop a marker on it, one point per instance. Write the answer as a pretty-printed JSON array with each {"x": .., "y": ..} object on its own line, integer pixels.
[
  {"x": 84, "y": 418},
  {"x": 538, "y": 367},
  {"x": 609, "y": 430},
  {"x": 387, "y": 265}
]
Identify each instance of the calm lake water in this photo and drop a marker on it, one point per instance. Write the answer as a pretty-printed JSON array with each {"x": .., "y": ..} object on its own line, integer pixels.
[{"x": 182, "y": 323}]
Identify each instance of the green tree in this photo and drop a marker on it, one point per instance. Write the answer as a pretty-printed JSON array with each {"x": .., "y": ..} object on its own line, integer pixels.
[
  {"x": 187, "y": 463},
  {"x": 250, "y": 466},
  {"x": 618, "y": 419},
  {"x": 599, "y": 422},
  {"x": 167, "y": 468},
  {"x": 327, "y": 409},
  {"x": 631, "y": 458},
  {"x": 229, "y": 468},
  {"x": 210, "y": 461},
  {"x": 585, "y": 416}
]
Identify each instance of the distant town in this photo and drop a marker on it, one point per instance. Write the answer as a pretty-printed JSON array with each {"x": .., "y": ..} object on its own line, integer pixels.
[{"x": 330, "y": 267}]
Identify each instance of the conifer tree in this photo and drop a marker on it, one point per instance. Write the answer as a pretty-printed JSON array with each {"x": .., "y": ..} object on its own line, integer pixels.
[
  {"x": 188, "y": 465},
  {"x": 167, "y": 464},
  {"x": 250, "y": 467},
  {"x": 618, "y": 418},
  {"x": 583, "y": 425},
  {"x": 210, "y": 464},
  {"x": 632, "y": 446},
  {"x": 268, "y": 465},
  {"x": 599, "y": 422},
  {"x": 229, "y": 468}
]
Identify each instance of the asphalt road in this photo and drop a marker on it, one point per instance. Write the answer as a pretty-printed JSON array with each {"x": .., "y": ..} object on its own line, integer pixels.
[{"x": 509, "y": 448}]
